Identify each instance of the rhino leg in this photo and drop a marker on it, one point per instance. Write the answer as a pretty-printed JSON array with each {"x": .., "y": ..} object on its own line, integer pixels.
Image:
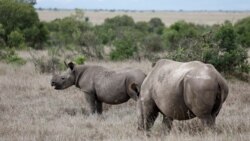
[
  {"x": 91, "y": 100},
  {"x": 140, "y": 115},
  {"x": 147, "y": 114},
  {"x": 150, "y": 114},
  {"x": 98, "y": 107},
  {"x": 208, "y": 121},
  {"x": 167, "y": 124}
]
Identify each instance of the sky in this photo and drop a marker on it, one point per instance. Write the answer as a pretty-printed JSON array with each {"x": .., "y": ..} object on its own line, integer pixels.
[{"x": 240, "y": 5}]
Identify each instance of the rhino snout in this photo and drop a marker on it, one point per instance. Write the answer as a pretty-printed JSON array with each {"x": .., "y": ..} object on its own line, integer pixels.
[{"x": 53, "y": 83}]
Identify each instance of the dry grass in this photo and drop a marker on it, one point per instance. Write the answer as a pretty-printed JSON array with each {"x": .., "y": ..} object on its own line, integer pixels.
[
  {"x": 168, "y": 18},
  {"x": 32, "y": 110}
]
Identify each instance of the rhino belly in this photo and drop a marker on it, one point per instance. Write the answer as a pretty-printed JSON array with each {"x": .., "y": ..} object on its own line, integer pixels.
[{"x": 112, "y": 96}]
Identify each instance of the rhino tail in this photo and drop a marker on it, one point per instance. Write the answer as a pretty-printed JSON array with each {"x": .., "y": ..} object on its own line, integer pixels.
[
  {"x": 132, "y": 89},
  {"x": 221, "y": 95},
  {"x": 223, "y": 88}
]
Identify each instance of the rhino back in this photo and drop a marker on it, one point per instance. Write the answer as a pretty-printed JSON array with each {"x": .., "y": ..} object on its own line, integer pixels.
[
  {"x": 88, "y": 77},
  {"x": 111, "y": 86}
]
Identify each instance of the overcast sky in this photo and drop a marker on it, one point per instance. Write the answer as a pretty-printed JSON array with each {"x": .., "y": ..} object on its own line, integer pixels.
[{"x": 147, "y": 4}]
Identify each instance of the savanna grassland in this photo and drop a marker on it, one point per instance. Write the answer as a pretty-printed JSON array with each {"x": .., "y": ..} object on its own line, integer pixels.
[
  {"x": 30, "y": 109},
  {"x": 167, "y": 17}
]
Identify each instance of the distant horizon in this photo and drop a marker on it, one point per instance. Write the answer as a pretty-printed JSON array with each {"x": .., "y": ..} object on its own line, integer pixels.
[
  {"x": 131, "y": 10},
  {"x": 147, "y": 5}
]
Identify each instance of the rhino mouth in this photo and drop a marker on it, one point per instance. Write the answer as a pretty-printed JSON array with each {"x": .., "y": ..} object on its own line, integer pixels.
[{"x": 56, "y": 86}]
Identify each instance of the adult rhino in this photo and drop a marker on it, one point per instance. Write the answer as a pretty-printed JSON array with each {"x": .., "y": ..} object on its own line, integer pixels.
[
  {"x": 181, "y": 91},
  {"x": 101, "y": 84}
]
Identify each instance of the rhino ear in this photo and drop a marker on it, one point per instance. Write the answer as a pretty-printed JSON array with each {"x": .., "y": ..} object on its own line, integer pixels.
[{"x": 71, "y": 65}]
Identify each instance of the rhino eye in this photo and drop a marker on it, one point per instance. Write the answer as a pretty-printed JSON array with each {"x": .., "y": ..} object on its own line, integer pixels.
[{"x": 63, "y": 78}]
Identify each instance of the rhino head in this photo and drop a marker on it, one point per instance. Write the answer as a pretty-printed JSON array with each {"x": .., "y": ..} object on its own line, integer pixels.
[{"x": 64, "y": 80}]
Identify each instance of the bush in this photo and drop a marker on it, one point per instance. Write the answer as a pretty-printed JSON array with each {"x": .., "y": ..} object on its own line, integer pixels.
[
  {"x": 15, "y": 59},
  {"x": 37, "y": 35},
  {"x": 226, "y": 36},
  {"x": 48, "y": 65},
  {"x": 71, "y": 31},
  {"x": 105, "y": 34},
  {"x": 9, "y": 56},
  {"x": 142, "y": 26},
  {"x": 242, "y": 28},
  {"x": 119, "y": 21},
  {"x": 22, "y": 17},
  {"x": 126, "y": 44},
  {"x": 80, "y": 59},
  {"x": 179, "y": 31},
  {"x": 156, "y": 26},
  {"x": 233, "y": 58},
  {"x": 90, "y": 45},
  {"x": 152, "y": 43},
  {"x": 16, "y": 39},
  {"x": 124, "y": 49},
  {"x": 113, "y": 28},
  {"x": 218, "y": 48}
]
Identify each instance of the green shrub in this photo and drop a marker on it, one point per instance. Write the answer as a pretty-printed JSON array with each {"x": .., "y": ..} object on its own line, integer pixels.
[
  {"x": 90, "y": 45},
  {"x": 15, "y": 59},
  {"x": 219, "y": 48},
  {"x": 119, "y": 21},
  {"x": 242, "y": 28},
  {"x": 105, "y": 34},
  {"x": 226, "y": 36},
  {"x": 22, "y": 17},
  {"x": 142, "y": 26},
  {"x": 124, "y": 49},
  {"x": 126, "y": 44},
  {"x": 232, "y": 58},
  {"x": 47, "y": 65},
  {"x": 37, "y": 35},
  {"x": 16, "y": 39},
  {"x": 9, "y": 56},
  {"x": 156, "y": 26},
  {"x": 80, "y": 60},
  {"x": 153, "y": 43},
  {"x": 180, "y": 31}
]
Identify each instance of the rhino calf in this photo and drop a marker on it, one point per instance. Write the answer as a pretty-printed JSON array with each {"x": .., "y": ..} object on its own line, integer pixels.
[
  {"x": 181, "y": 91},
  {"x": 101, "y": 84}
]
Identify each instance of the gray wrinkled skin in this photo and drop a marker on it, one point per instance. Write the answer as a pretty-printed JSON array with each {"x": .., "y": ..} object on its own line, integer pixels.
[
  {"x": 181, "y": 91},
  {"x": 101, "y": 84}
]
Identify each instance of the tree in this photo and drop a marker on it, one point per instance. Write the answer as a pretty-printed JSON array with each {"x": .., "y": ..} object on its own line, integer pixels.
[
  {"x": 90, "y": 44},
  {"x": 22, "y": 17},
  {"x": 232, "y": 57},
  {"x": 218, "y": 47},
  {"x": 177, "y": 34},
  {"x": 15, "y": 39},
  {"x": 119, "y": 21},
  {"x": 242, "y": 28},
  {"x": 126, "y": 44},
  {"x": 32, "y": 2},
  {"x": 226, "y": 36},
  {"x": 156, "y": 25}
]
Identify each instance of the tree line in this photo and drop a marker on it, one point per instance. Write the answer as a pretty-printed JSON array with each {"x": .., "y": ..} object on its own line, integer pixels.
[{"x": 225, "y": 45}]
